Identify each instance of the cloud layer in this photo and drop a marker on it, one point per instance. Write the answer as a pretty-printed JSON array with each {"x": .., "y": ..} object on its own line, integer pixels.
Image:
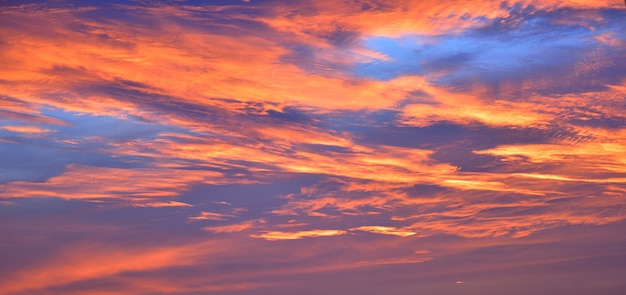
[{"x": 273, "y": 147}]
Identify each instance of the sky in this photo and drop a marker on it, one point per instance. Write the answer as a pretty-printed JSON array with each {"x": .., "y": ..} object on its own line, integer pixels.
[{"x": 313, "y": 147}]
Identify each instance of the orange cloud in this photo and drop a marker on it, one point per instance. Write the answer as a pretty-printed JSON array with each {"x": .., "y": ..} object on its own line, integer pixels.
[
  {"x": 603, "y": 155},
  {"x": 209, "y": 216},
  {"x": 385, "y": 230},
  {"x": 278, "y": 235},
  {"x": 238, "y": 227},
  {"x": 26, "y": 129},
  {"x": 497, "y": 113},
  {"x": 391, "y": 18},
  {"x": 162, "y": 204},
  {"x": 133, "y": 58},
  {"x": 88, "y": 182},
  {"x": 314, "y": 20},
  {"x": 204, "y": 215},
  {"x": 382, "y": 163},
  {"x": 401, "y": 260},
  {"x": 92, "y": 261}
]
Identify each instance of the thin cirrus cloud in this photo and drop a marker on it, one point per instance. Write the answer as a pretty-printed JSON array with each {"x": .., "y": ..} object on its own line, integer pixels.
[{"x": 275, "y": 147}]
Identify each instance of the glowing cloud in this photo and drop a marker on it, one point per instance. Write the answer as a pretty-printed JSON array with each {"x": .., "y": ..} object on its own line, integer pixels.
[
  {"x": 385, "y": 230},
  {"x": 278, "y": 235}
]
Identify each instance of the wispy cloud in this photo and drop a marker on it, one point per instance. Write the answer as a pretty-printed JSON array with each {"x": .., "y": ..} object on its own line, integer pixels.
[{"x": 278, "y": 235}]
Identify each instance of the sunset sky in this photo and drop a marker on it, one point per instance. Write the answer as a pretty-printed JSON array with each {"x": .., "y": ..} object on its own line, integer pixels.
[{"x": 313, "y": 147}]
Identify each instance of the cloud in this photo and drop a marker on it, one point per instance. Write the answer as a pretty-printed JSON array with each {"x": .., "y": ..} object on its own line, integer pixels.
[
  {"x": 385, "y": 230},
  {"x": 204, "y": 215},
  {"x": 26, "y": 129},
  {"x": 163, "y": 204},
  {"x": 603, "y": 152},
  {"x": 88, "y": 182},
  {"x": 278, "y": 235},
  {"x": 84, "y": 262},
  {"x": 231, "y": 228}
]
